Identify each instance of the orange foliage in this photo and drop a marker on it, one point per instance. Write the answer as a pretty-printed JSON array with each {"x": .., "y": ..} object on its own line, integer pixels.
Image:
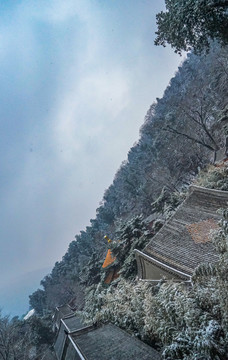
[
  {"x": 109, "y": 259},
  {"x": 200, "y": 232},
  {"x": 221, "y": 163}
]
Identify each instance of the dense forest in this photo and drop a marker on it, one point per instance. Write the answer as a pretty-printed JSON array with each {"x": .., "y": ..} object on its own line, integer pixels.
[{"x": 180, "y": 139}]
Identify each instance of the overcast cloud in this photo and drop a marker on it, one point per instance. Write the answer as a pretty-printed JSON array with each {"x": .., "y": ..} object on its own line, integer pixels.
[{"x": 77, "y": 78}]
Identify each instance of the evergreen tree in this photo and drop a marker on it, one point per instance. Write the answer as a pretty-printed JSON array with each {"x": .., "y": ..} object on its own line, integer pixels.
[{"x": 192, "y": 24}]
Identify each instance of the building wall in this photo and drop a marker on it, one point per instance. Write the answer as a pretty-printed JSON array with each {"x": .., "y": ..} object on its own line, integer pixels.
[{"x": 149, "y": 269}]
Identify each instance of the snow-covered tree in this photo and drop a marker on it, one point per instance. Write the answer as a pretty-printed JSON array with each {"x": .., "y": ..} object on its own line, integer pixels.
[
  {"x": 192, "y": 324},
  {"x": 192, "y": 24}
]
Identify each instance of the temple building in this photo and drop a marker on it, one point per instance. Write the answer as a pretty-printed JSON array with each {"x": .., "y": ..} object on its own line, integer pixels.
[
  {"x": 184, "y": 242},
  {"x": 68, "y": 325},
  {"x": 61, "y": 312},
  {"x": 75, "y": 341}
]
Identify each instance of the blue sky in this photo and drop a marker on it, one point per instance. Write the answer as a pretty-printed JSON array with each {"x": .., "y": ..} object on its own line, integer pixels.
[{"x": 77, "y": 78}]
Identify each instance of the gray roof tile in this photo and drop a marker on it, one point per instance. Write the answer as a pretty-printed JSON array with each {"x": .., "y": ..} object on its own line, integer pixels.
[
  {"x": 174, "y": 244},
  {"x": 108, "y": 342}
]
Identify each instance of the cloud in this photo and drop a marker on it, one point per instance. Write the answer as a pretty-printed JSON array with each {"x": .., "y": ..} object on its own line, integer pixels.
[
  {"x": 86, "y": 112},
  {"x": 57, "y": 11},
  {"x": 77, "y": 78}
]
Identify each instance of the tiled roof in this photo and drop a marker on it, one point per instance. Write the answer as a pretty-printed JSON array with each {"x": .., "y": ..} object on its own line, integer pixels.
[
  {"x": 60, "y": 313},
  {"x": 73, "y": 323},
  {"x": 67, "y": 325},
  {"x": 110, "y": 342},
  {"x": 64, "y": 310},
  {"x": 177, "y": 244},
  {"x": 102, "y": 342}
]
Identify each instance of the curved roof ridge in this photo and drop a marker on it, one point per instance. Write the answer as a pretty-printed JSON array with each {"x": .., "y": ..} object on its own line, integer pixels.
[{"x": 207, "y": 190}]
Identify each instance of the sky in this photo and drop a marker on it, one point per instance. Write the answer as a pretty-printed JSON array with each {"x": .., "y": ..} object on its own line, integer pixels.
[{"x": 76, "y": 80}]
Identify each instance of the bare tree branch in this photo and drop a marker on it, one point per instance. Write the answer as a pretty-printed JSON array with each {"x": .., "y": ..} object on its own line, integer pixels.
[{"x": 174, "y": 131}]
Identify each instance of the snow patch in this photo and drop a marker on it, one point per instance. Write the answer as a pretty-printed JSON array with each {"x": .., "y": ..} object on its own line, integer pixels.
[{"x": 30, "y": 313}]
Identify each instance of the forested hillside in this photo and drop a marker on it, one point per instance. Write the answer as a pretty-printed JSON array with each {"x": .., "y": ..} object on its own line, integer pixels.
[{"x": 182, "y": 134}]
